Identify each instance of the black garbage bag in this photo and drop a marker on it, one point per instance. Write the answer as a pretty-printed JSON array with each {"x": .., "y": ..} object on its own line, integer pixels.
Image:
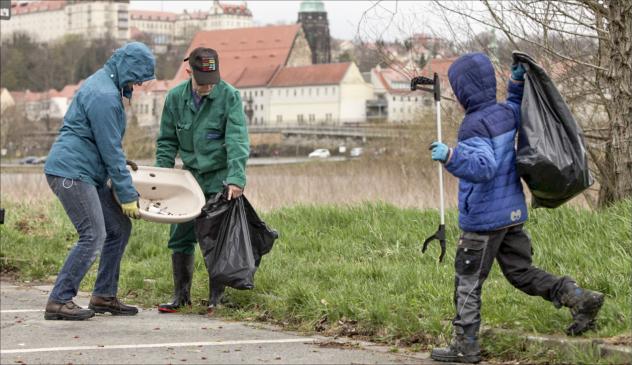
[
  {"x": 232, "y": 238},
  {"x": 551, "y": 155}
]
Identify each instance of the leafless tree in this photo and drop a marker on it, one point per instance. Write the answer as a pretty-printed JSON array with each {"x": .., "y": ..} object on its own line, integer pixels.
[{"x": 586, "y": 45}]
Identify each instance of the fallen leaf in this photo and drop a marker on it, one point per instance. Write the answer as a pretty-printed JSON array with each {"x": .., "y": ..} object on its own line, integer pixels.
[{"x": 156, "y": 329}]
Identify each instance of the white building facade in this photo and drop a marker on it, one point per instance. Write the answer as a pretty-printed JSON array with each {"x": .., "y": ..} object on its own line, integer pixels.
[
  {"x": 49, "y": 20},
  {"x": 170, "y": 28},
  {"x": 323, "y": 94}
]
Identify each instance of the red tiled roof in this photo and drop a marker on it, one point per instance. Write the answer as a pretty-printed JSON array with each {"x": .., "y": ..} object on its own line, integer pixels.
[
  {"x": 135, "y": 33},
  {"x": 199, "y": 14},
  {"x": 255, "y": 49},
  {"x": 256, "y": 76},
  {"x": 235, "y": 9},
  {"x": 32, "y": 7},
  {"x": 321, "y": 74},
  {"x": 152, "y": 15},
  {"x": 438, "y": 65},
  {"x": 29, "y": 96},
  {"x": 389, "y": 75}
]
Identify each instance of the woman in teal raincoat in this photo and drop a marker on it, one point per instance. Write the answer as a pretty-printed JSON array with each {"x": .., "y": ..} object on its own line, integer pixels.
[{"x": 88, "y": 152}]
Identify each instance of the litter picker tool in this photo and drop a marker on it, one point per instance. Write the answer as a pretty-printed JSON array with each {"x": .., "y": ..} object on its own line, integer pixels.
[{"x": 416, "y": 84}]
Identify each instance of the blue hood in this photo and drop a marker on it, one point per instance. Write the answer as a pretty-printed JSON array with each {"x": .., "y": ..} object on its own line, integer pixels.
[
  {"x": 133, "y": 62},
  {"x": 473, "y": 81}
]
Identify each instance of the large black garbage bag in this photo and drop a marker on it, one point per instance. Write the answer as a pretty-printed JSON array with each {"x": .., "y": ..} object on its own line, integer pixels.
[
  {"x": 232, "y": 238},
  {"x": 261, "y": 236},
  {"x": 551, "y": 155}
]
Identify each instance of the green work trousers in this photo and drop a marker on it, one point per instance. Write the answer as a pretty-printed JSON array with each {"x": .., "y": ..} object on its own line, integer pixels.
[{"x": 182, "y": 235}]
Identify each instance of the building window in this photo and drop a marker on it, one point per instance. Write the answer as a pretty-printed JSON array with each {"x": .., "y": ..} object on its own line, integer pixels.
[
  {"x": 294, "y": 92},
  {"x": 328, "y": 117},
  {"x": 401, "y": 98},
  {"x": 312, "y": 117},
  {"x": 333, "y": 91},
  {"x": 255, "y": 106},
  {"x": 317, "y": 91},
  {"x": 300, "y": 119},
  {"x": 279, "y": 118},
  {"x": 309, "y": 91},
  {"x": 325, "y": 91},
  {"x": 261, "y": 107},
  {"x": 279, "y": 92},
  {"x": 287, "y": 92}
]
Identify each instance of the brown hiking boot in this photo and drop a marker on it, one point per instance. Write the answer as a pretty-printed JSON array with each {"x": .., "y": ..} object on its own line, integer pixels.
[
  {"x": 68, "y": 311},
  {"x": 112, "y": 305}
]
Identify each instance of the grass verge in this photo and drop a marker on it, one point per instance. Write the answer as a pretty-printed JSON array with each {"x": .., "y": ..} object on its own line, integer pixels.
[{"x": 358, "y": 271}]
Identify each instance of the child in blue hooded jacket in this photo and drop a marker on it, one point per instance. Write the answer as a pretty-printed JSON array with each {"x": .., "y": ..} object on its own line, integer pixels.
[{"x": 492, "y": 208}]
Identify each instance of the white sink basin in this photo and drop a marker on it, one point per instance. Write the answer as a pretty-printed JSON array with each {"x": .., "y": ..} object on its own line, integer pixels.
[{"x": 167, "y": 195}]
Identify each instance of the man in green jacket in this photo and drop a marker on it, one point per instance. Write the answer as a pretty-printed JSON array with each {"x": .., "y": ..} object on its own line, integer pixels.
[{"x": 202, "y": 121}]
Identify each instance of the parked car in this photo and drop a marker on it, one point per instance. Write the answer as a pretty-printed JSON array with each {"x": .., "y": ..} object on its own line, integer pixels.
[
  {"x": 29, "y": 160},
  {"x": 356, "y": 152},
  {"x": 320, "y": 153},
  {"x": 32, "y": 160}
]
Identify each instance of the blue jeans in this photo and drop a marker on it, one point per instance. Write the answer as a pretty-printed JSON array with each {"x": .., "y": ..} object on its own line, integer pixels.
[{"x": 102, "y": 228}]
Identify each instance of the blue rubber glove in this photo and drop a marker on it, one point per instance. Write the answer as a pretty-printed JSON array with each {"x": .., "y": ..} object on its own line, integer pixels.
[
  {"x": 517, "y": 72},
  {"x": 440, "y": 151}
]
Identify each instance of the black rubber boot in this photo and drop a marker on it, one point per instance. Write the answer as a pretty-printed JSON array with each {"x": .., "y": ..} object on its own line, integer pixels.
[
  {"x": 464, "y": 348},
  {"x": 215, "y": 296},
  {"x": 584, "y": 305},
  {"x": 182, "y": 278}
]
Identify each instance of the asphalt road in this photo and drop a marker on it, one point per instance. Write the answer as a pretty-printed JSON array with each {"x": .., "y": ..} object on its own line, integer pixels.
[{"x": 154, "y": 338}]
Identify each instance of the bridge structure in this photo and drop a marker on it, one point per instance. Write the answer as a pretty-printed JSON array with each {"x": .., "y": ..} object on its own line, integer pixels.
[{"x": 347, "y": 131}]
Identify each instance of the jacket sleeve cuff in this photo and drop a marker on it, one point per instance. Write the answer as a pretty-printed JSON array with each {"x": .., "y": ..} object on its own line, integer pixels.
[
  {"x": 241, "y": 182},
  {"x": 452, "y": 157}
]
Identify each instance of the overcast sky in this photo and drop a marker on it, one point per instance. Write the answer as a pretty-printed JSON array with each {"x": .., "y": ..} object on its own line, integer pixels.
[{"x": 344, "y": 16}]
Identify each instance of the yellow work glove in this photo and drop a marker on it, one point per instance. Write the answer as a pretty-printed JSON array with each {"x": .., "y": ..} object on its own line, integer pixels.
[{"x": 131, "y": 209}]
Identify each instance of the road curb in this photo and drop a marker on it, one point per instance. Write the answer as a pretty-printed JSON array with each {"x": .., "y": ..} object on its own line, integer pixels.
[{"x": 624, "y": 353}]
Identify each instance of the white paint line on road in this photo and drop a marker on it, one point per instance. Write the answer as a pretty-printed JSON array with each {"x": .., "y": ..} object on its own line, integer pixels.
[
  {"x": 20, "y": 310},
  {"x": 154, "y": 345}
]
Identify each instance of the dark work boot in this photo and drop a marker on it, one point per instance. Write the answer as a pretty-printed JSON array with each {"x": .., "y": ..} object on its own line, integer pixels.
[
  {"x": 112, "y": 305},
  {"x": 182, "y": 277},
  {"x": 464, "y": 348},
  {"x": 68, "y": 311},
  {"x": 216, "y": 294},
  {"x": 584, "y": 305}
]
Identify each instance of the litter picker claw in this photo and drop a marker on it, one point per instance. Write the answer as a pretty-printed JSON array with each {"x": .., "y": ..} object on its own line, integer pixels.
[{"x": 417, "y": 84}]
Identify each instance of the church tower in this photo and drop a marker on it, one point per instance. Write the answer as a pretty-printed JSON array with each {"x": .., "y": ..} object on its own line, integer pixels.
[{"x": 313, "y": 17}]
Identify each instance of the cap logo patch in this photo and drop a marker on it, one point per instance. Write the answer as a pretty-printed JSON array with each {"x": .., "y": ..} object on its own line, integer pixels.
[{"x": 208, "y": 64}]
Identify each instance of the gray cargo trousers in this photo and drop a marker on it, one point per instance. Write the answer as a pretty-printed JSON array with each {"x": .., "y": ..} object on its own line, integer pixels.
[{"x": 475, "y": 255}]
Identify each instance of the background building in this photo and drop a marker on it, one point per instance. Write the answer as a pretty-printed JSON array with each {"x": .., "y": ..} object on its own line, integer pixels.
[
  {"x": 165, "y": 28},
  {"x": 313, "y": 17},
  {"x": 329, "y": 94},
  {"x": 49, "y": 20}
]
